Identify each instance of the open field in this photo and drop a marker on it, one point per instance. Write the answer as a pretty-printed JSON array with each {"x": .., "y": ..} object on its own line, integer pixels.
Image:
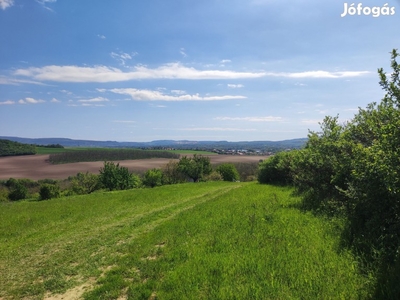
[
  {"x": 216, "y": 240},
  {"x": 36, "y": 167}
]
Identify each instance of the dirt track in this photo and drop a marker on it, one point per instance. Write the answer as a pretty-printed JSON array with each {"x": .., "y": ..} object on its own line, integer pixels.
[{"x": 36, "y": 166}]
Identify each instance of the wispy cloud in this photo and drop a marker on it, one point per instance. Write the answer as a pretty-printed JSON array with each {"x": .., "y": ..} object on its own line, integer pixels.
[
  {"x": 108, "y": 74},
  {"x": 123, "y": 57},
  {"x": 235, "y": 86},
  {"x": 216, "y": 129},
  {"x": 6, "y": 4},
  {"x": 100, "y": 36},
  {"x": 44, "y": 3},
  {"x": 8, "y": 102},
  {"x": 319, "y": 74},
  {"x": 98, "y": 99},
  {"x": 54, "y": 100},
  {"x": 30, "y": 101},
  {"x": 149, "y": 95},
  {"x": 311, "y": 121},
  {"x": 14, "y": 81},
  {"x": 251, "y": 119},
  {"x": 182, "y": 51}
]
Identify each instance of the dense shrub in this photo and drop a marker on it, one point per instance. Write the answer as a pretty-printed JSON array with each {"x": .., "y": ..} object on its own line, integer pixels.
[
  {"x": 10, "y": 148},
  {"x": 213, "y": 176},
  {"x": 172, "y": 173},
  {"x": 276, "y": 169},
  {"x": 195, "y": 167},
  {"x": 18, "y": 192},
  {"x": 247, "y": 170},
  {"x": 115, "y": 177},
  {"x": 153, "y": 178},
  {"x": 85, "y": 183},
  {"x": 228, "y": 172},
  {"x": 353, "y": 170},
  {"x": 49, "y": 191}
]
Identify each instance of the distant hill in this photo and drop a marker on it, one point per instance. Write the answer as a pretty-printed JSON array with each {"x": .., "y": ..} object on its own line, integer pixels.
[
  {"x": 11, "y": 148},
  {"x": 181, "y": 144}
]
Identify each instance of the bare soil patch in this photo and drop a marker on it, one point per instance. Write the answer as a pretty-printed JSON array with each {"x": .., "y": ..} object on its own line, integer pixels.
[{"x": 37, "y": 167}]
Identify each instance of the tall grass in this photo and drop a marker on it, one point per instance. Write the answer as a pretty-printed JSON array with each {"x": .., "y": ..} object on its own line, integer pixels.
[{"x": 190, "y": 241}]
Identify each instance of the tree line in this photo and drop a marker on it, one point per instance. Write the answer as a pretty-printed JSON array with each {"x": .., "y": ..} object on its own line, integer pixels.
[
  {"x": 353, "y": 170},
  {"x": 107, "y": 155},
  {"x": 10, "y": 148}
]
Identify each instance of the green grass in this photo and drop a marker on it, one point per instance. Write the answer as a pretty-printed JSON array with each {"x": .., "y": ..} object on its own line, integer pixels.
[{"x": 189, "y": 241}]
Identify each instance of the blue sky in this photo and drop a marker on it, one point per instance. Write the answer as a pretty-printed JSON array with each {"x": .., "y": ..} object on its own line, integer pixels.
[{"x": 230, "y": 70}]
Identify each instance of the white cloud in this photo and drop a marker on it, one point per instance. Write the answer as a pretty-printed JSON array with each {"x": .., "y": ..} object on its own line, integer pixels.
[
  {"x": 319, "y": 74},
  {"x": 251, "y": 119},
  {"x": 8, "y": 102},
  {"x": 311, "y": 121},
  {"x": 44, "y": 2},
  {"x": 216, "y": 129},
  {"x": 54, "y": 100},
  {"x": 183, "y": 52},
  {"x": 149, "y": 95},
  {"x": 30, "y": 101},
  {"x": 108, "y": 74},
  {"x": 122, "y": 57},
  {"x": 98, "y": 99},
  {"x": 224, "y": 61},
  {"x": 100, "y": 36},
  {"x": 6, "y": 4},
  {"x": 178, "y": 92},
  {"x": 235, "y": 86},
  {"x": 13, "y": 81}
]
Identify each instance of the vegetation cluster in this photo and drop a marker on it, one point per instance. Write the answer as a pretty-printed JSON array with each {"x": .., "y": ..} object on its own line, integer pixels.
[
  {"x": 10, "y": 148},
  {"x": 107, "y": 155},
  {"x": 353, "y": 170},
  {"x": 114, "y": 177}
]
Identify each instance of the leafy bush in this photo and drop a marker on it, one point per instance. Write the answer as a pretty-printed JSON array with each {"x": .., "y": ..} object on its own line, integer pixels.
[
  {"x": 4, "y": 194},
  {"x": 228, "y": 172},
  {"x": 153, "y": 178},
  {"x": 195, "y": 167},
  {"x": 276, "y": 169},
  {"x": 172, "y": 173},
  {"x": 85, "y": 183},
  {"x": 18, "y": 192},
  {"x": 214, "y": 176},
  {"x": 49, "y": 191},
  {"x": 115, "y": 177}
]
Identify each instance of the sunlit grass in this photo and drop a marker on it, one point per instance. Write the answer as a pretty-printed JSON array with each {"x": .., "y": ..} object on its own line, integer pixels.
[{"x": 190, "y": 241}]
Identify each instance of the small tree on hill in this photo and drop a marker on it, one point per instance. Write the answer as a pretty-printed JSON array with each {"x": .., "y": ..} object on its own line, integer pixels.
[
  {"x": 195, "y": 167},
  {"x": 114, "y": 177},
  {"x": 228, "y": 172}
]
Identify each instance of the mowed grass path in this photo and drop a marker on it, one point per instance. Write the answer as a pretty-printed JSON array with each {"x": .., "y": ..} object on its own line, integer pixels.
[{"x": 191, "y": 241}]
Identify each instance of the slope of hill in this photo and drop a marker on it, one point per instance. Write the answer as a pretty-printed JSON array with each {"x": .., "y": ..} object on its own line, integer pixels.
[{"x": 217, "y": 240}]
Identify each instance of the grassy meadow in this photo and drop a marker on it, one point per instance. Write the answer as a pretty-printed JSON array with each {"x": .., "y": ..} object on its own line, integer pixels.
[{"x": 214, "y": 240}]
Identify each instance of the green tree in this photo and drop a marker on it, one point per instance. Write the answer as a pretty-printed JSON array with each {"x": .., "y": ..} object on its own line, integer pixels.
[
  {"x": 49, "y": 191},
  {"x": 153, "y": 178},
  {"x": 85, "y": 183},
  {"x": 115, "y": 177},
  {"x": 228, "y": 172},
  {"x": 195, "y": 167},
  {"x": 172, "y": 173}
]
